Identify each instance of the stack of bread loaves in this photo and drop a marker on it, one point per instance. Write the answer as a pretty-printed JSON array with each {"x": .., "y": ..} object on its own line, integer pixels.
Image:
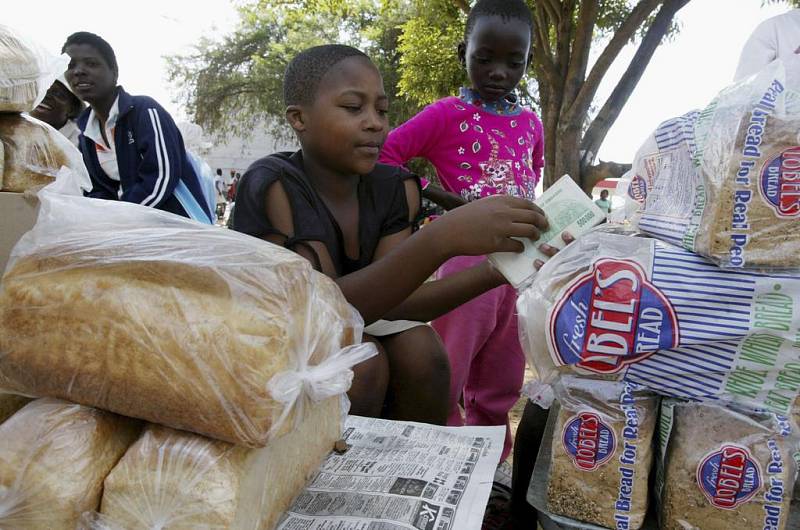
[
  {"x": 191, "y": 327},
  {"x": 31, "y": 152},
  {"x": 699, "y": 301}
]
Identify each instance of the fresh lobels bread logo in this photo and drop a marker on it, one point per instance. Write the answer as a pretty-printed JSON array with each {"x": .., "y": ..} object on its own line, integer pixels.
[
  {"x": 589, "y": 442},
  {"x": 728, "y": 477},
  {"x": 780, "y": 183},
  {"x": 637, "y": 189},
  {"x": 610, "y": 318}
]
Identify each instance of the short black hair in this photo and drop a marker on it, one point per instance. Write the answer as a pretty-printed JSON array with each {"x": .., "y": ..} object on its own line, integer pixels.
[
  {"x": 97, "y": 42},
  {"x": 506, "y": 9},
  {"x": 306, "y": 70}
]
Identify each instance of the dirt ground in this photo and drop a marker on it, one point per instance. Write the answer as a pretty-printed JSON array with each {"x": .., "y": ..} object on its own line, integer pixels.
[{"x": 515, "y": 415}]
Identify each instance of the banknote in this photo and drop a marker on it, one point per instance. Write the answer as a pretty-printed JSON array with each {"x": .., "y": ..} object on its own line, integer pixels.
[{"x": 567, "y": 208}]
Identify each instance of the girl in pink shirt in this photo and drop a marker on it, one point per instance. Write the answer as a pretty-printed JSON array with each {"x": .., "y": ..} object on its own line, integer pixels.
[{"x": 481, "y": 143}]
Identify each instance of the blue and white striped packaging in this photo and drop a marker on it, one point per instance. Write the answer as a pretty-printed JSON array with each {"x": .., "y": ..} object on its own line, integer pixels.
[
  {"x": 723, "y": 182},
  {"x": 638, "y": 309}
]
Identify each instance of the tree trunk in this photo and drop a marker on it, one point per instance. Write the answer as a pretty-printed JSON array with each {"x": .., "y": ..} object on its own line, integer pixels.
[{"x": 610, "y": 111}]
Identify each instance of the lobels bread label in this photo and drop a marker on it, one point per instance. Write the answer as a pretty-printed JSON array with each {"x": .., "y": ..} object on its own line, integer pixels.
[
  {"x": 637, "y": 189},
  {"x": 589, "y": 442},
  {"x": 780, "y": 183},
  {"x": 610, "y": 318},
  {"x": 729, "y": 477}
]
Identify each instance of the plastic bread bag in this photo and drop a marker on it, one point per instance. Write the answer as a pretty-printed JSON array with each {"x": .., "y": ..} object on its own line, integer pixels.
[
  {"x": 723, "y": 182},
  {"x": 34, "y": 153},
  {"x": 720, "y": 468},
  {"x": 54, "y": 457},
  {"x": 26, "y": 71},
  {"x": 153, "y": 316},
  {"x": 182, "y": 481},
  {"x": 593, "y": 465},
  {"x": 633, "y": 308}
]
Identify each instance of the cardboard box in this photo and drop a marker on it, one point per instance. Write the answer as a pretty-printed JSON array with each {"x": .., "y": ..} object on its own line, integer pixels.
[{"x": 17, "y": 215}]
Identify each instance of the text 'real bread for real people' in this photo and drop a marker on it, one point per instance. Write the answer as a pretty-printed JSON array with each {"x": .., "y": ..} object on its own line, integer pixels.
[
  {"x": 723, "y": 469},
  {"x": 54, "y": 457},
  {"x": 152, "y": 316},
  {"x": 602, "y": 453},
  {"x": 181, "y": 481}
]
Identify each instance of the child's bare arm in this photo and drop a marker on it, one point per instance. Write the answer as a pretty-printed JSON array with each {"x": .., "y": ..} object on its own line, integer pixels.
[
  {"x": 404, "y": 262},
  {"x": 445, "y": 199}
]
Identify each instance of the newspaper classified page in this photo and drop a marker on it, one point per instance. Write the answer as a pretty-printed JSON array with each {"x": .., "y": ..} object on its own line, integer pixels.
[{"x": 401, "y": 476}]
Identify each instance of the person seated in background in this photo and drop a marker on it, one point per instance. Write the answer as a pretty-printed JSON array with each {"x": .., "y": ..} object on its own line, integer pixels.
[
  {"x": 352, "y": 218},
  {"x": 603, "y": 203},
  {"x": 59, "y": 109},
  {"x": 131, "y": 146}
]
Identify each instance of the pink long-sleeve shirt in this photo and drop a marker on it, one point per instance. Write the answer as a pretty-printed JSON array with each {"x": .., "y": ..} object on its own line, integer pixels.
[{"x": 478, "y": 149}]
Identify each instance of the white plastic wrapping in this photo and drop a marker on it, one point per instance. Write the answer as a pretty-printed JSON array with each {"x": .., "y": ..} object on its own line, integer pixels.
[
  {"x": 26, "y": 71},
  {"x": 34, "y": 153},
  {"x": 595, "y": 459},
  {"x": 54, "y": 457},
  {"x": 724, "y": 182},
  {"x": 153, "y": 316},
  {"x": 637, "y": 309},
  {"x": 182, "y": 481},
  {"x": 721, "y": 469}
]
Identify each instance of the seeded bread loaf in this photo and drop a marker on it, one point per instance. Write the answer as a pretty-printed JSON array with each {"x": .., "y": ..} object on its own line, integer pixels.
[
  {"x": 721, "y": 471},
  {"x": 602, "y": 455},
  {"x": 753, "y": 208}
]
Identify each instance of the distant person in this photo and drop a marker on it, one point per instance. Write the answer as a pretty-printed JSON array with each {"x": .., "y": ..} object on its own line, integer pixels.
[
  {"x": 233, "y": 186},
  {"x": 131, "y": 146},
  {"x": 219, "y": 186},
  {"x": 775, "y": 38},
  {"x": 603, "y": 202}
]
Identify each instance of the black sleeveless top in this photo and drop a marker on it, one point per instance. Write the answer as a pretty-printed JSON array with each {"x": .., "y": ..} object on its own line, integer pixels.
[{"x": 383, "y": 208}]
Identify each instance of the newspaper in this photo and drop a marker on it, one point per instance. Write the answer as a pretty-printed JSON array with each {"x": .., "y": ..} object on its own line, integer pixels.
[
  {"x": 567, "y": 208},
  {"x": 401, "y": 476}
]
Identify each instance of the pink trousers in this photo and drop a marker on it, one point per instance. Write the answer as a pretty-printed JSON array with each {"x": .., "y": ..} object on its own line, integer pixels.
[{"x": 486, "y": 361}]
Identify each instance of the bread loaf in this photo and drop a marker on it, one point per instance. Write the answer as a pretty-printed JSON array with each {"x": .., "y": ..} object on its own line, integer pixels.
[
  {"x": 753, "y": 209},
  {"x": 725, "y": 470},
  {"x": 149, "y": 315},
  {"x": 723, "y": 183},
  {"x": 33, "y": 152},
  {"x": 19, "y": 73},
  {"x": 602, "y": 455},
  {"x": 182, "y": 481},
  {"x": 54, "y": 457},
  {"x": 633, "y": 308}
]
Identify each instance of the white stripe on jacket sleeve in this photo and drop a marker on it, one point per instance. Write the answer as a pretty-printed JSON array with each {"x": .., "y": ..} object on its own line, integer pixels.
[{"x": 163, "y": 162}]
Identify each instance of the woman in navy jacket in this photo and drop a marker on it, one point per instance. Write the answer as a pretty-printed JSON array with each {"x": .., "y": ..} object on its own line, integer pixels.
[{"x": 130, "y": 144}]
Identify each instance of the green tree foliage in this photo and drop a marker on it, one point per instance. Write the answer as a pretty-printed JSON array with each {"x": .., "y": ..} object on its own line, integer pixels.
[{"x": 229, "y": 86}]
